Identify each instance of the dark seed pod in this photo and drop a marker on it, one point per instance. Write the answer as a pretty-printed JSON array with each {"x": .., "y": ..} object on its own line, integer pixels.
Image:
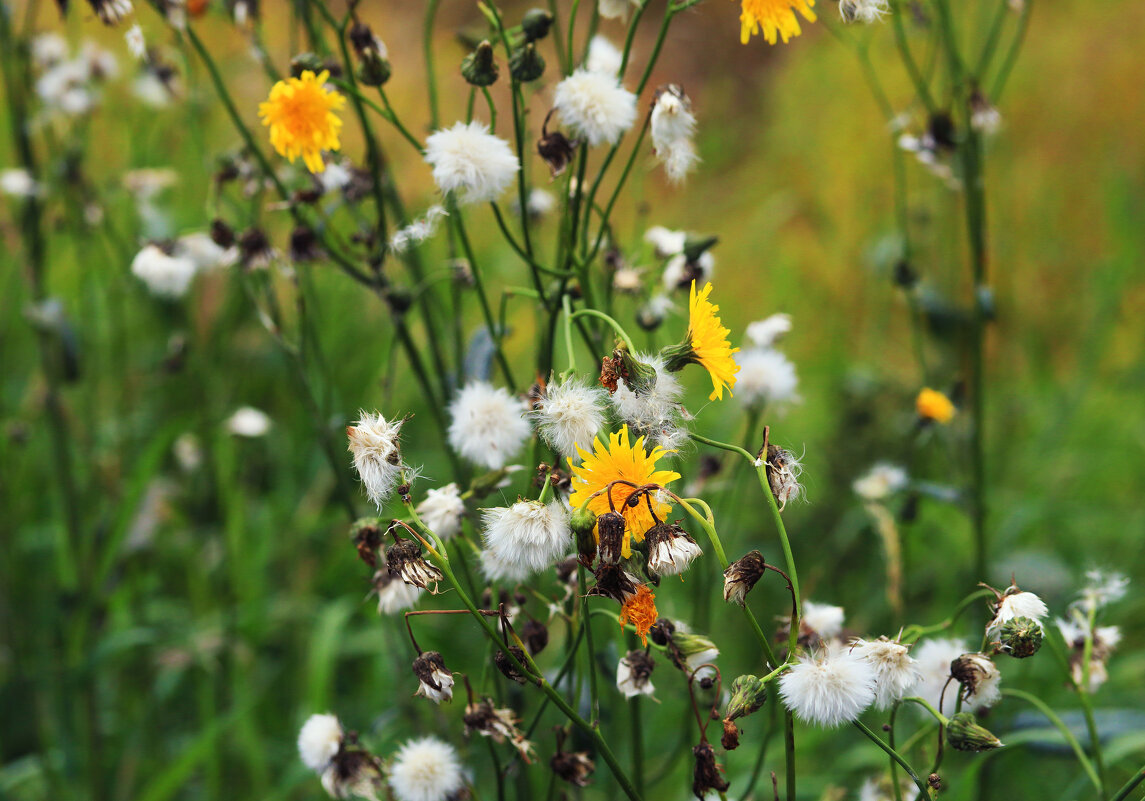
[{"x": 610, "y": 532}]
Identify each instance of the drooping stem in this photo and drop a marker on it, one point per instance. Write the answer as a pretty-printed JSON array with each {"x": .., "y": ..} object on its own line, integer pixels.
[
  {"x": 923, "y": 788},
  {"x": 1052, "y": 717}
]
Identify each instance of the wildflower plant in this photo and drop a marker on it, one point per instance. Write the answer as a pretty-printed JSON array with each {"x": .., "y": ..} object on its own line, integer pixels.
[{"x": 555, "y": 521}]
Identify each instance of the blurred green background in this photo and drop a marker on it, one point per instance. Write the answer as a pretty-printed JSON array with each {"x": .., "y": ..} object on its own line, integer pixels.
[{"x": 212, "y": 609}]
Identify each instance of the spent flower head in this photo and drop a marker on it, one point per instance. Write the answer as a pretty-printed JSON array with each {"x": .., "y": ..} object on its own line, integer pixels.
[
  {"x": 469, "y": 163},
  {"x": 488, "y": 424},
  {"x": 595, "y": 106}
]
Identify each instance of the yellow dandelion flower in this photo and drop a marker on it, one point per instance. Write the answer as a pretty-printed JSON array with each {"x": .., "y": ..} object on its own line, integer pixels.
[
  {"x": 933, "y": 405},
  {"x": 300, "y": 114},
  {"x": 621, "y": 461},
  {"x": 640, "y": 611},
  {"x": 706, "y": 344},
  {"x": 773, "y": 18}
]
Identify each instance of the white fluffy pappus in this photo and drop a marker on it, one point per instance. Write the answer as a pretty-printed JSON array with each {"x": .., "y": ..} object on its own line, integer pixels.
[
  {"x": 394, "y": 595},
  {"x": 426, "y": 769},
  {"x": 488, "y": 425},
  {"x": 1014, "y": 605},
  {"x": 570, "y": 414},
  {"x": 895, "y": 670},
  {"x": 616, "y": 9},
  {"x": 529, "y": 535},
  {"x": 594, "y": 105},
  {"x": 933, "y": 658},
  {"x": 765, "y": 376},
  {"x": 655, "y": 412},
  {"x": 863, "y": 10},
  {"x": 19, "y": 183},
  {"x": 985, "y": 688},
  {"x": 823, "y": 619},
  {"x": 470, "y": 163},
  {"x": 319, "y": 740},
  {"x": 673, "y": 125},
  {"x": 766, "y": 332},
  {"x": 829, "y": 688},
  {"x": 164, "y": 275},
  {"x": 496, "y": 568},
  {"x": 664, "y": 241},
  {"x": 248, "y": 421},
  {"x": 377, "y": 454},
  {"x": 880, "y": 482},
  {"x": 603, "y": 56},
  {"x": 441, "y": 510},
  {"x": 632, "y": 680},
  {"x": 679, "y": 272}
]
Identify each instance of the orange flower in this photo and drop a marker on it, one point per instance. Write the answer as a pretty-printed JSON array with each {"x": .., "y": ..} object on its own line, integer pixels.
[
  {"x": 640, "y": 611},
  {"x": 300, "y": 113},
  {"x": 933, "y": 405},
  {"x": 775, "y": 19}
]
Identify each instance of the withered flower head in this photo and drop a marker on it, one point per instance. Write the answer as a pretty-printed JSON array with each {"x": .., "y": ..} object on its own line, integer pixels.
[
  {"x": 354, "y": 771},
  {"x": 404, "y": 560},
  {"x": 610, "y": 530},
  {"x": 662, "y": 631},
  {"x": 613, "y": 581},
  {"x": 730, "y": 738},
  {"x": 634, "y": 673},
  {"x": 535, "y": 635},
  {"x": 506, "y": 666},
  {"x": 555, "y": 148},
  {"x": 707, "y": 775},
  {"x": 573, "y": 766},
  {"x": 670, "y": 549},
  {"x": 741, "y": 576},
  {"x": 979, "y": 678},
  {"x": 367, "y": 536},
  {"x": 500, "y": 724},
  {"x": 783, "y": 471},
  {"x": 436, "y": 682}
]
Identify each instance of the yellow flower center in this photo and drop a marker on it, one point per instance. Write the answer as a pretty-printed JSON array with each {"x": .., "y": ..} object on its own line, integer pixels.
[
  {"x": 933, "y": 405},
  {"x": 301, "y": 118},
  {"x": 772, "y": 18}
]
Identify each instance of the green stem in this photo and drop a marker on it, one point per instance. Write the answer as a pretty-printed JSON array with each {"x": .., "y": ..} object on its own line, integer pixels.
[
  {"x": 1129, "y": 786},
  {"x": 941, "y": 718},
  {"x": 427, "y": 49},
  {"x": 586, "y": 623},
  {"x": 923, "y": 788},
  {"x": 1044, "y": 708},
  {"x": 617, "y": 327},
  {"x": 482, "y": 297}
]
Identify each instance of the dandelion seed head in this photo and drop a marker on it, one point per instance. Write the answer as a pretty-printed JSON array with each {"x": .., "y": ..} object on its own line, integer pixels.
[
  {"x": 470, "y": 163},
  {"x": 880, "y": 482},
  {"x": 373, "y": 441},
  {"x": 426, "y": 769},
  {"x": 603, "y": 56},
  {"x": 394, "y": 595},
  {"x": 765, "y": 377},
  {"x": 249, "y": 422},
  {"x": 570, "y": 414},
  {"x": 933, "y": 658},
  {"x": 319, "y": 740},
  {"x": 164, "y": 275},
  {"x": 829, "y": 688},
  {"x": 665, "y": 242},
  {"x": 595, "y": 106},
  {"x": 488, "y": 425},
  {"x": 526, "y": 537},
  {"x": 441, "y": 510},
  {"x": 823, "y": 619},
  {"x": 895, "y": 670}
]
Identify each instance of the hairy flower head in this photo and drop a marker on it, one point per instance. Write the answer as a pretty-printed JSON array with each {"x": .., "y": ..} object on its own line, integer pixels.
[
  {"x": 300, "y": 113},
  {"x": 828, "y": 688},
  {"x": 426, "y": 770},
  {"x": 773, "y": 18},
  {"x": 621, "y": 460},
  {"x": 488, "y": 424},
  {"x": 471, "y": 163},
  {"x": 594, "y": 105}
]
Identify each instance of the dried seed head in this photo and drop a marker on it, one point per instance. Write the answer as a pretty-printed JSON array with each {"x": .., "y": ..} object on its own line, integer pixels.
[
  {"x": 634, "y": 672},
  {"x": 506, "y": 666},
  {"x": 535, "y": 635},
  {"x": 573, "y": 766},
  {"x": 979, "y": 678},
  {"x": 404, "y": 561},
  {"x": 436, "y": 682},
  {"x": 707, "y": 775},
  {"x": 367, "y": 536},
  {"x": 783, "y": 471},
  {"x": 741, "y": 576},
  {"x": 555, "y": 148},
  {"x": 613, "y": 581},
  {"x": 730, "y": 739},
  {"x": 500, "y": 724},
  {"x": 610, "y": 532},
  {"x": 670, "y": 549},
  {"x": 354, "y": 771},
  {"x": 662, "y": 631}
]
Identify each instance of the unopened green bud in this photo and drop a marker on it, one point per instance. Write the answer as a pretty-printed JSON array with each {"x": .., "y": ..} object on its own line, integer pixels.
[
  {"x": 638, "y": 376},
  {"x": 964, "y": 734},
  {"x": 582, "y": 522},
  {"x": 306, "y": 62},
  {"x": 536, "y": 24},
  {"x": 748, "y": 695},
  {"x": 374, "y": 70},
  {"x": 692, "y": 644},
  {"x": 696, "y": 246},
  {"x": 478, "y": 68},
  {"x": 1021, "y": 637},
  {"x": 526, "y": 64}
]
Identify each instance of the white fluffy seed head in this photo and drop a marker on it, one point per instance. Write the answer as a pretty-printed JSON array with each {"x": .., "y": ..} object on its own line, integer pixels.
[
  {"x": 19, "y": 183},
  {"x": 426, "y": 769},
  {"x": 594, "y": 105},
  {"x": 679, "y": 272},
  {"x": 1018, "y": 604},
  {"x": 863, "y": 10},
  {"x": 488, "y": 425},
  {"x": 629, "y": 683},
  {"x": 671, "y": 555},
  {"x": 829, "y": 688},
  {"x": 319, "y": 740},
  {"x": 987, "y": 688},
  {"x": 470, "y": 163},
  {"x": 823, "y": 619},
  {"x": 394, "y": 595},
  {"x": 377, "y": 455},
  {"x": 616, "y": 9},
  {"x": 528, "y": 536},
  {"x": 497, "y": 568},
  {"x": 765, "y": 333},
  {"x": 441, "y": 510},
  {"x": 765, "y": 377},
  {"x": 570, "y": 414},
  {"x": 248, "y": 421},
  {"x": 880, "y": 482},
  {"x": 895, "y": 670},
  {"x": 665, "y": 242},
  {"x": 164, "y": 275},
  {"x": 603, "y": 57},
  {"x": 1102, "y": 588},
  {"x": 673, "y": 124},
  {"x": 933, "y": 658},
  {"x": 654, "y": 414}
]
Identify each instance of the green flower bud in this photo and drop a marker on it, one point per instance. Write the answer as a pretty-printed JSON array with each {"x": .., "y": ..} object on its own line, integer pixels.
[
  {"x": 536, "y": 24},
  {"x": 692, "y": 644},
  {"x": 526, "y": 64},
  {"x": 582, "y": 522},
  {"x": 304, "y": 62},
  {"x": 748, "y": 695},
  {"x": 478, "y": 68},
  {"x": 374, "y": 70},
  {"x": 639, "y": 377},
  {"x": 696, "y": 246},
  {"x": 1021, "y": 637},
  {"x": 964, "y": 734}
]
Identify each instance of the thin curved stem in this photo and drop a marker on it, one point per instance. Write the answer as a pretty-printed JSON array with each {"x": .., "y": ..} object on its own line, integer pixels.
[
  {"x": 923, "y": 788},
  {"x": 1078, "y": 751}
]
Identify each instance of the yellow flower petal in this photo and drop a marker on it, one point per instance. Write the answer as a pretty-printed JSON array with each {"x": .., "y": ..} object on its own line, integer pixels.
[
  {"x": 773, "y": 18},
  {"x": 301, "y": 118},
  {"x": 709, "y": 340},
  {"x": 933, "y": 405}
]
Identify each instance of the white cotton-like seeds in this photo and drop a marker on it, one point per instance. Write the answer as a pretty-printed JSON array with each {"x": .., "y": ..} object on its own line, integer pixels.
[
  {"x": 895, "y": 670},
  {"x": 616, "y": 9},
  {"x": 570, "y": 414},
  {"x": 863, "y": 10},
  {"x": 654, "y": 411},
  {"x": 673, "y": 125},
  {"x": 394, "y": 595},
  {"x": 829, "y": 688},
  {"x": 603, "y": 57},
  {"x": 824, "y": 619},
  {"x": 933, "y": 658},
  {"x": 377, "y": 455},
  {"x": 987, "y": 689},
  {"x": 496, "y": 568},
  {"x": 679, "y": 272},
  {"x": 880, "y": 482},
  {"x": 488, "y": 425},
  {"x": 595, "y": 106},
  {"x": 164, "y": 275},
  {"x": 248, "y": 421},
  {"x": 203, "y": 251},
  {"x": 1019, "y": 604},
  {"x": 629, "y": 683},
  {"x": 441, "y": 510},
  {"x": 765, "y": 333},
  {"x": 526, "y": 537},
  {"x": 319, "y": 741},
  {"x": 470, "y": 163},
  {"x": 19, "y": 183},
  {"x": 664, "y": 241},
  {"x": 765, "y": 377},
  {"x": 426, "y": 769}
]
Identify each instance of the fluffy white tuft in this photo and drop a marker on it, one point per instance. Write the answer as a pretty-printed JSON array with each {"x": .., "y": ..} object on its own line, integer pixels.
[
  {"x": 679, "y": 272},
  {"x": 765, "y": 376},
  {"x": 880, "y": 482},
  {"x": 895, "y": 671},
  {"x": 765, "y": 333},
  {"x": 616, "y": 9},
  {"x": 863, "y": 10},
  {"x": 603, "y": 57},
  {"x": 19, "y": 183},
  {"x": 824, "y": 619},
  {"x": 664, "y": 241},
  {"x": 629, "y": 683},
  {"x": 829, "y": 688},
  {"x": 319, "y": 740},
  {"x": 1018, "y": 604},
  {"x": 470, "y": 163},
  {"x": 394, "y": 595},
  {"x": 165, "y": 276},
  {"x": 497, "y": 569},
  {"x": 673, "y": 125},
  {"x": 248, "y": 421},
  {"x": 933, "y": 658},
  {"x": 441, "y": 510},
  {"x": 426, "y": 769},
  {"x": 488, "y": 426},
  {"x": 654, "y": 414},
  {"x": 670, "y": 556},
  {"x": 570, "y": 414},
  {"x": 595, "y": 106},
  {"x": 377, "y": 455},
  {"x": 527, "y": 536}
]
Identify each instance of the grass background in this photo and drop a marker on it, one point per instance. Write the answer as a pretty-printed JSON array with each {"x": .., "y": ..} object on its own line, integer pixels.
[{"x": 207, "y": 614}]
